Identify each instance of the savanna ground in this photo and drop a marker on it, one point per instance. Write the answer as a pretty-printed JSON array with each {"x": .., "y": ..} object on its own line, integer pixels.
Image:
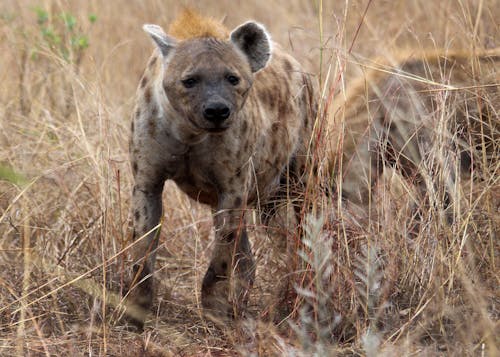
[{"x": 384, "y": 284}]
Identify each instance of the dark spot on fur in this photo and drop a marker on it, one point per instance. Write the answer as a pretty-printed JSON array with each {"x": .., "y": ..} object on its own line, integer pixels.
[
  {"x": 132, "y": 127},
  {"x": 270, "y": 98},
  {"x": 288, "y": 66},
  {"x": 238, "y": 172},
  {"x": 144, "y": 80},
  {"x": 138, "y": 112},
  {"x": 263, "y": 95},
  {"x": 274, "y": 146},
  {"x": 237, "y": 201},
  {"x": 154, "y": 111},
  {"x": 152, "y": 62},
  {"x": 212, "y": 178},
  {"x": 147, "y": 95},
  {"x": 145, "y": 210},
  {"x": 152, "y": 127},
  {"x": 244, "y": 127},
  {"x": 246, "y": 145},
  {"x": 137, "y": 215},
  {"x": 134, "y": 169},
  {"x": 283, "y": 109},
  {"x": 275, "y": 127},
  {"x": 223, "y": 266}
]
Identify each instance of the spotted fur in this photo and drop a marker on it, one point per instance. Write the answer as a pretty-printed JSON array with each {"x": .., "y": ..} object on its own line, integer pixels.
[
  {"x": 224, "y": 115},
  {"x": 397, "y": 114}
]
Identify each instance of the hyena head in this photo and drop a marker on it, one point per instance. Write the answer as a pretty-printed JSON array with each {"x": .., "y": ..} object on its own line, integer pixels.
[{"x": 206, "y": 80}]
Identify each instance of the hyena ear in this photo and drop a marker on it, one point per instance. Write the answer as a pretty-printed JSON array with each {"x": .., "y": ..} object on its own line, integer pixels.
[
  {"x": 254, "y": 41},
  {"x": 164, "y": 42}
]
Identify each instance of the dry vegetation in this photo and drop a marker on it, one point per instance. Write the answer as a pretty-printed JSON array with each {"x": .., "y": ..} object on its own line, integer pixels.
[{"x": 389, "y": 281}]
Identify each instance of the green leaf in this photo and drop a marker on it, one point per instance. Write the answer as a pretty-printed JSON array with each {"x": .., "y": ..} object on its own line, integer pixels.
[
  {"x": 34, "y": 55},
  {"x": 50, "y": 36},
  {"x": 42, "y": 15},
  {"x": 80, "y": 42},
  {"x": 69, "y": 21},
  {"x": 9, "y": 174},
  {"x": 92, "y": 18}
]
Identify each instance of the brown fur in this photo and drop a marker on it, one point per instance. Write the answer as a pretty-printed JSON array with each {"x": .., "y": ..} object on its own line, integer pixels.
[
  {"x": 190, "y": 24},
  {"x": 229, "y": 164},
  {"x": 390, "y": 116}
]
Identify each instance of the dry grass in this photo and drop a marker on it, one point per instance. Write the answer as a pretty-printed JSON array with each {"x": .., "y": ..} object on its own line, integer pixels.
[{"x": 390, "y": 282}]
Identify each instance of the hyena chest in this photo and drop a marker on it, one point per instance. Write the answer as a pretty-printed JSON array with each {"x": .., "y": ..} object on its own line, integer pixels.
[
  {"x": 226, "y": 166},
  {"x": 204, "y": 173},
  {"x": 191, "y": 177}
]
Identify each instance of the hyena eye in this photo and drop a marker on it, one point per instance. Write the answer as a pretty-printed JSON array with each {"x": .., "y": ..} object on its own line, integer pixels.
[
  {"x": 233, "y": 79},
  {"x": 189, "y": 82}
]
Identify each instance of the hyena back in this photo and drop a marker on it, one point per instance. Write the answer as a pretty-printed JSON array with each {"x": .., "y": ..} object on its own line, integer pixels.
[
  {"x": 428, "y": 112},
  {"x": 225, "y": 116}
]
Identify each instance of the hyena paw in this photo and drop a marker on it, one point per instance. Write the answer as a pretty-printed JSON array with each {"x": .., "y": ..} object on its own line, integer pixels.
[
  {"x": 215, "y": 296},
  {"x": 138, "y": 302},
  {"x": 223, "y": 298}
]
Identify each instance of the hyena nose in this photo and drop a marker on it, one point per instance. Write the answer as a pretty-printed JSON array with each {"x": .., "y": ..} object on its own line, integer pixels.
[{"x": 216, "y": 112}]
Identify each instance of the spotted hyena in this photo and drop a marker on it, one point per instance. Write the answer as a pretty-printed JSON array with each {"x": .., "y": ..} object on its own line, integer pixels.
[
  {"x": 426, "y": 116},
  {"x": 227, "y": 116}
]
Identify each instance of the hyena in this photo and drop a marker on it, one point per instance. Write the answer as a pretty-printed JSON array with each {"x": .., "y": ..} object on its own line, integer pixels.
[
  {"x": 419, "y": 116},
  {"x": 227, "y": 116}
]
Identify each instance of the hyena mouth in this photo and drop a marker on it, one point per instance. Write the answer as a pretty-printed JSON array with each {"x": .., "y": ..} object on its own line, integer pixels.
[{"x": 212, "y": 130}]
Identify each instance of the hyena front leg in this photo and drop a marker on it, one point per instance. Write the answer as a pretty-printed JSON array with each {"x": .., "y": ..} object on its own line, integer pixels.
[
  {"x": 147, "y": 212},
  {"x": 231, "y": 271}
]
